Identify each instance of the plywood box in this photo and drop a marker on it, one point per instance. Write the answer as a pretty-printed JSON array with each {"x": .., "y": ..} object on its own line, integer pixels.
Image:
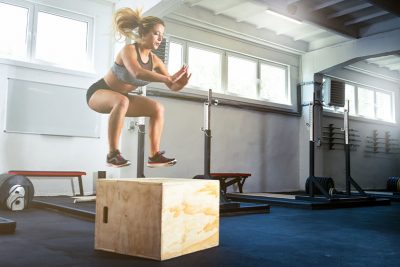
[{"x": 157, "y": 218}]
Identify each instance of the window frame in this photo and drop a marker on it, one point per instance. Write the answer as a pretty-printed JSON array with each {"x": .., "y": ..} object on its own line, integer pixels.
[
  {"x": 374, "y": 102},
  {"x": 31, "y": 9},
  {"x": 286, "y": 68},
  {"x": 244, "y": 57},
  {"x": 209, "y": 49},
  {"x": 68, "y": 15},
  {"x": 258, "y": 101},
  {"x": 180, "y": 42},
  {"x": 392, "y": 107},
  {"x": 33, "y": 12},
  {"x": 356, "y": 114}
]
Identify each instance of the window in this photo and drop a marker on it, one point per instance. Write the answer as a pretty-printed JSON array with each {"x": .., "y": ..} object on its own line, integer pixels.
[
  {"x": 206, "y": 66},
  {"x": 384, "y": 106},
  {"x": 61, "y": 40},
  {"x": 350, "y": 95},
  {"x": 230, "y": 73},
  {"x": 13, "y": 40},
  {"x": 46, "y": 35},
  {"x": 273, "y": 84},
  {"x": 175, "y": 57},
  {"x": 242, "y": 77},
  {"x": 366, "y": 102}
]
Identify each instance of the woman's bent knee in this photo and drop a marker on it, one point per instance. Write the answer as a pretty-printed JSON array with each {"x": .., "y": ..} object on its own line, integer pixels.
[
  {"x": 122, "y": 102},
  {"x": 158, "y": 109}
]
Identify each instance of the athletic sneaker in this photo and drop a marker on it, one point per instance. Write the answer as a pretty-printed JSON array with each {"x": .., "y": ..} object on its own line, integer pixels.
[
  {"x": 115, "y": 159},
  {"x": 158, "y": 160}
]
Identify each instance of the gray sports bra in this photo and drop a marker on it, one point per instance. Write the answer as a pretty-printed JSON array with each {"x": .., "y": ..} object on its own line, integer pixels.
[{"x": 124, "y": 75}]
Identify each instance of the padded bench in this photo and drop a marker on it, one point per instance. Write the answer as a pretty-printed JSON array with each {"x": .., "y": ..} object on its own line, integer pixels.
[
  {"x": 228, "y": 179},
  {"x": 53, "y": 174}
]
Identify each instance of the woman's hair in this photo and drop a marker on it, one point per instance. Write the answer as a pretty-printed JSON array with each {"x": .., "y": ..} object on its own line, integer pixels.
[{"x": 129, "y": 23}]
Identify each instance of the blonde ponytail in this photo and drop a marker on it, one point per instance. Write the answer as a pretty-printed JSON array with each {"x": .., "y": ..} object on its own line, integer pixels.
[
  {"x": 130, "y": 24},
  {"x": 125, "y": 21}
]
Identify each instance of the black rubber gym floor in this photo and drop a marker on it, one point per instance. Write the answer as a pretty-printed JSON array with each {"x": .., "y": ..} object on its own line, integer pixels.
[{"x": 367, "y": 236}]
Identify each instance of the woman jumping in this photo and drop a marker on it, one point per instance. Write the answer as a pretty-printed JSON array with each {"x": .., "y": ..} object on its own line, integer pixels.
[{"x": 135, "y": 65}]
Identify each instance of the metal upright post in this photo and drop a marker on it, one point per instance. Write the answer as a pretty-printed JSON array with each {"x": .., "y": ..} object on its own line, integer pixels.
[
  {"x": 207, "y": 147},
  {"x": 312, "y": 179},
  {"x": 311, "y": 144},
  {"x": 349, "y": 179},
  {"x": 140, "y": 151},
  {"x": 207, "y": 136},
  {"x": 347, "y": 147},
  {"x": 141, "y": 125}
]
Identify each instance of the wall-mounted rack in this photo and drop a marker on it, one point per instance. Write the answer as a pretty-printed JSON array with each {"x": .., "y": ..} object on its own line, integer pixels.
[
  {"x": 334, "y": 137},
  {"x": 385, "y": 144}
]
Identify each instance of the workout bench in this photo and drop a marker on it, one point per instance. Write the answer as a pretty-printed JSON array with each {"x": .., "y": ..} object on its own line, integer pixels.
[
  {"x": 228, "y": 179},
  {"x": 53, "y": 174}
]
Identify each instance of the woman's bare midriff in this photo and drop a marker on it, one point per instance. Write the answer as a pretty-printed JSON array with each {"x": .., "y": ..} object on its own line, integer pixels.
[{"x": 117, "y": 85}]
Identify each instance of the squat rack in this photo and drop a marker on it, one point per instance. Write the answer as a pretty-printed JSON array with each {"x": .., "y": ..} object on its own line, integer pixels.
[
  {"x": 328, "y": 199},
  {"x": 334, "y": 195},
  {"x": 226, "y": 205}
]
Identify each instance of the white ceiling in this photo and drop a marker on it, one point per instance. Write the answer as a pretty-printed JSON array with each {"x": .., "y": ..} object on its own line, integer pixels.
[
  {"x": 257, "y": 14},
  {"x": 330, "y": 22}
]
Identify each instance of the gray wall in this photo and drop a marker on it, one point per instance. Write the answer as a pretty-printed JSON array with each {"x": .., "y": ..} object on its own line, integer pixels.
[
  {"x": 370, "y": 170},
  {"x": 263, "y": 144}
]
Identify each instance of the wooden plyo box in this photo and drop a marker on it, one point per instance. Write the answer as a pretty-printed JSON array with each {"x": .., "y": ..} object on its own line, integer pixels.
[{"x": 157, "y": 218}]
